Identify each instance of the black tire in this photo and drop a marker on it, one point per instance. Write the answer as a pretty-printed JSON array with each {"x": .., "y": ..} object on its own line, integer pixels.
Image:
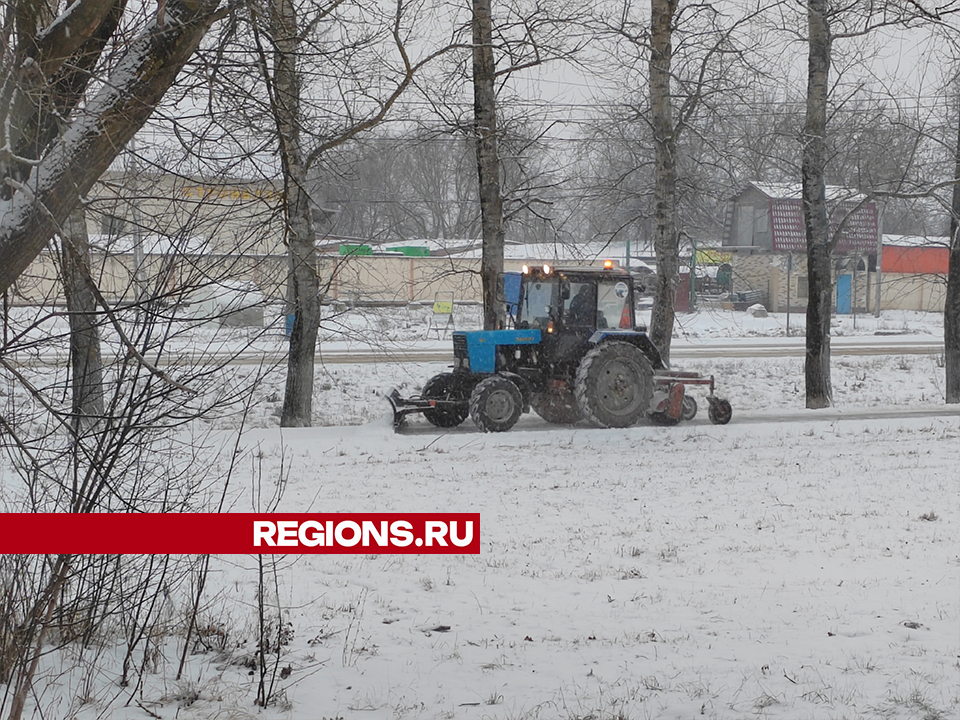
[
  {"x": 496, "y": 404},
  {"x": 556, "y": 406},
  {"x": 614, "y": 385},
  {"x": 720, "y": 412},
  {"x": 444, "y": 386},
  {"x": 689, "y": 410}
]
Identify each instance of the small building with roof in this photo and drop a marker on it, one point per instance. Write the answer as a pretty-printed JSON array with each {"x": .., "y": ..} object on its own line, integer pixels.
[{"x": 766, "y": 237}]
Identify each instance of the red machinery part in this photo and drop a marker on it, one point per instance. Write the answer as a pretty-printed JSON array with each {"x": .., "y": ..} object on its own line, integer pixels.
[{"x": 675, "y": 405}]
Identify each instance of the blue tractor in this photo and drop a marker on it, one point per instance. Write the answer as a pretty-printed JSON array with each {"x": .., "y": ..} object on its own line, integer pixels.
[{"x": 575, "y": 353}]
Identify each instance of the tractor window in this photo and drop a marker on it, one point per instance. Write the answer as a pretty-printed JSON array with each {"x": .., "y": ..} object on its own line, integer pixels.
[
  {"x": 613, "y": 306},
  {"x": 581, "y": 306},
  {"x": 535, "y": 305}
]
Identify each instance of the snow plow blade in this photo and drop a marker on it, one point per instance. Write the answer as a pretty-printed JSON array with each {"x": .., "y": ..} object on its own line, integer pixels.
[
  {"x": 440, "y": 412},
  {"x": 403, "y": 407}
]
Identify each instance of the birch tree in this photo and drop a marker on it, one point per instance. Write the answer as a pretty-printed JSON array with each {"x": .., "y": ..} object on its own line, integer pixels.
[
  {"x": 682, "y": 85},
  {"x": 951, "y": 314},
  {"x": 826, "y": 24},
  {"x": 666, "y": 240},
  {"x": 52, "y": 148},
  {"x": 488, "y": 165}
]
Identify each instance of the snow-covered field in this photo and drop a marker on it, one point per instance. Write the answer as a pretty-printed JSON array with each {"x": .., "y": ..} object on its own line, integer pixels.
[
  {"x": 792, "y": 564},
  {"x": 806, "y": 569}
]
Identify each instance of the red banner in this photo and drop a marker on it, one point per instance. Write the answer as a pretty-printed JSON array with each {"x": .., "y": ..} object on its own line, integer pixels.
[{"x": 240, "y": 533}]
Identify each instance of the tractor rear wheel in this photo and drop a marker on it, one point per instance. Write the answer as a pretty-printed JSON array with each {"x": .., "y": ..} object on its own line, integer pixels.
[
  {"x": 496, "y": 404},
  {"x": 444, "y": 387},
  {"x": 556, "y": 406},
  {"x": 614, "y": 385}
]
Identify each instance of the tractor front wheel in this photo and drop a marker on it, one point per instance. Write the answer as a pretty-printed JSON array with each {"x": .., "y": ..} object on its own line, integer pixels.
[
  {"x": 558, "y": 407},
  {"x": 496, "y": 404},
  {"x": 444, "y": 387},
  {"x": 614, "y": 385}
]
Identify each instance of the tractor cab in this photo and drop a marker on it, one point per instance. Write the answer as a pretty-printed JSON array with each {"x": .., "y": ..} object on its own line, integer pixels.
[
  {"x": 569, "y": 305},
  {"x": 581, "y": 298}
]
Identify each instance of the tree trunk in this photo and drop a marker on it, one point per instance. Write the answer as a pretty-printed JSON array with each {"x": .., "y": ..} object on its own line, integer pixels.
[
  {"x": 65, "y": 54},
  {"x": 666, "y": 240},
  {"x": 815, "y": 218},
  {"x": 33, "y": 634},
  {"x": 43, "y": 202},
  {"x": 304, "y": 290},
  {"x": 488, "y": 166},
  {"x": 951, "y": 312},
  {"x": 84, "y": 340}
]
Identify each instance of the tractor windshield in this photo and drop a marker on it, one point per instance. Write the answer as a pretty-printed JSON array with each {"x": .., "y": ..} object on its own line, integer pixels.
[{"x": 537, "y": 298}]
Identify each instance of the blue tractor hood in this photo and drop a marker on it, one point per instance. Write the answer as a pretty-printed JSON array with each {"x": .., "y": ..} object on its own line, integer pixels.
[{"x": 482, "y": 345}]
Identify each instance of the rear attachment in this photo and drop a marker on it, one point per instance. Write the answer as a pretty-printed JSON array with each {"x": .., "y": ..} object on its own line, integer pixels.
[{"x": 671, "y": 403}]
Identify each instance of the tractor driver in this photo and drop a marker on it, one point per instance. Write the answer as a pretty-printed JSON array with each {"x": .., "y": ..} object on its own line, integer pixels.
[{"x": 583, "y": 307}]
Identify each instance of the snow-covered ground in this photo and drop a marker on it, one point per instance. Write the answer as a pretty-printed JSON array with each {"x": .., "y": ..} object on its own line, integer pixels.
[
  {"x": 791, "y": 564},
  {"x": 805, "y": 569}
]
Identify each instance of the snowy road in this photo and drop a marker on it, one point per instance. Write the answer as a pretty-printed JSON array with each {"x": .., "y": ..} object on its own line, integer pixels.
[
  {"x": 343, "y": 353},
  {"x": 787, "y": 347},
  {"x": 533, "y": 423},
  {"x": 747, "y": 348}
]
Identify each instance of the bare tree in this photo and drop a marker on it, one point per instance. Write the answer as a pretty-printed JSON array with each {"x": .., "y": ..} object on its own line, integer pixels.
[
  {"x": 392, "y": 186},
  {"x": 340, "y": 106},
  {"x": 827, "y": 23},
  {"x": 117, "y": 445},
  {"x": 44, "y": 173},
  {"x": 686, "y": 90},
  {"x": 666, "y": 240},
  {"x": 816, "y": 221},
  {"x": 523, "y": 36},
  {"x": 86, "y": 363},
  {"x": 951, "y": 314},
  {"x": 488, "y": 164},
  {"x": 304, "y": 284}
]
